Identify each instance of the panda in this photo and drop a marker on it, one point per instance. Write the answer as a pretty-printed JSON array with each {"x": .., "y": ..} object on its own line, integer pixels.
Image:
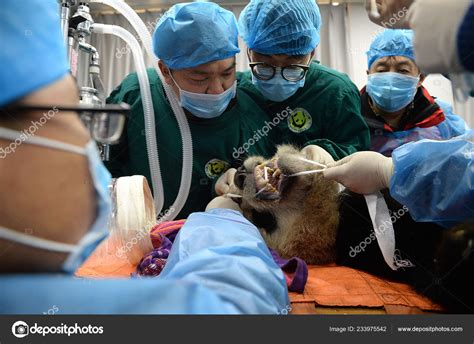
[{"x": 307, "y": 216}]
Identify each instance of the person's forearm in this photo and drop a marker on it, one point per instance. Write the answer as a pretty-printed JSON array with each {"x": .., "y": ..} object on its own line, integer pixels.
[
  {"x": 435, "y": 179},
  {"x": 221, "y": 250},
  {"x": 436, "y": 24}
]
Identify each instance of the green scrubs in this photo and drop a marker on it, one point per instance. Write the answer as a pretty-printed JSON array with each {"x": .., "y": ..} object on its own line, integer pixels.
[
  {"x": 325, "y": 112},
  {"x": 216, "y": 142}
]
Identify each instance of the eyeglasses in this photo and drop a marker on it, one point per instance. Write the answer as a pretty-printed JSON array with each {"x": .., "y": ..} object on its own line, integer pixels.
[
  {"x": 104, "y": 122},
  {"x": 292, "y": 73}
]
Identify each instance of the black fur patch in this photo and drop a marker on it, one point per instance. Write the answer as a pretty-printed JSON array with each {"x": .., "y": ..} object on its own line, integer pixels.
[
  {"x": 239, "y": 177},
  {"x": 443, "y": 258},
  {"x": 265, "y": 221}
]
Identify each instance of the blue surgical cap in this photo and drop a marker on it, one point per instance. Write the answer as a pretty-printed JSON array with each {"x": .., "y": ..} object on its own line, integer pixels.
[
  {"x": 192, "y": 34},
  {"x": 391, "y": 43},
  {"x": 33, "y": 52},
  {"x": 288, "y": 27}
]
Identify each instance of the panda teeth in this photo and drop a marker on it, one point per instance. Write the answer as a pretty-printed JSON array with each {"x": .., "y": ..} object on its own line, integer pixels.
[
  {"x": 271, "y": 188},
  {"x": 267, "y": 177}
]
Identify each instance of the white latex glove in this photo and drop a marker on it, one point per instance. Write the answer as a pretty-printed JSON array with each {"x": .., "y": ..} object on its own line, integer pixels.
[
  {"x": 318, "y": 154},
  {"x": 225, "y": 182},
  {"x": 223, "y": 202},
  {"x": 392, "y": 14},
  {"x": 362, "y": 172}
]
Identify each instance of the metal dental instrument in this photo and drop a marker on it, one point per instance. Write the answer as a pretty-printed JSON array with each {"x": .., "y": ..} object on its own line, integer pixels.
[
  {"x": 324, "y": 167},
  {"x": 231, "y": 195},
  {"x": 313, "y": 162}
]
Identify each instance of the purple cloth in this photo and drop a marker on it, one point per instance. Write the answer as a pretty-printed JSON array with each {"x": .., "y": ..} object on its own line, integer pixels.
[
  {"x": 154, "y": 262},
  {"x": 295, "y": 269}
]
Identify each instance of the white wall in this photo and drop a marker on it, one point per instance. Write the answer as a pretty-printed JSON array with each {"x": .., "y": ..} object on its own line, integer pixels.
[
  {"x": 466, "y": 110},
  {"x": 361, "y": 32}
]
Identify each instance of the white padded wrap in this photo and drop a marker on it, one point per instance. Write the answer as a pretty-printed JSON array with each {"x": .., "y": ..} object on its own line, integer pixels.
[{"x": 135, "y": 216}]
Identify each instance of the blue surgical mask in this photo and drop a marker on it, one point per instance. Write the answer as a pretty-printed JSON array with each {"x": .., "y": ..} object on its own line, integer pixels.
[
  {"x": 101, "y": 178},
  {"x": 277, "y": 89},
  {"x": 203, "y": 105},
  {"x": 390, "y": 91}
]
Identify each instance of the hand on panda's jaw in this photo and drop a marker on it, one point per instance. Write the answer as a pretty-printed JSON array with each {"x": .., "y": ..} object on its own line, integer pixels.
[
  {"x": 225, "y": 182},
  {"x": 225, "y": 185},
  {"x": 223, "y": 202},
  {"x": 317, "y": 154}
]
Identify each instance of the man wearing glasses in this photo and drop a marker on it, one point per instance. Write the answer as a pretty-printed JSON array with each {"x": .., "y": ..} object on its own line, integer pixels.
[
  {"x": 320, "y": 106},
  {"x": 282, "y": 37}
]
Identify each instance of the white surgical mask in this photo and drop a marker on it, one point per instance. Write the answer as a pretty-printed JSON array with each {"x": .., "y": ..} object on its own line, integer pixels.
[{"x": 79, "y": 252}]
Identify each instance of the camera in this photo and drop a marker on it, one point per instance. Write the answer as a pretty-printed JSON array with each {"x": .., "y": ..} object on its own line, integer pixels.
[{"x": 21, "y": 329}]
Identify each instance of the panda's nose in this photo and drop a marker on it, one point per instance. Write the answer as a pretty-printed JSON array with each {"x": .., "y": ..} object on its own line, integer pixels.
[{"x": 239, "y": 177}]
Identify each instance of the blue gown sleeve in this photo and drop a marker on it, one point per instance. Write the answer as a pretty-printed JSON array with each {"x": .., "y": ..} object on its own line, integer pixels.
[
  {"x": 223, "y": 251},
  {"x": 453, "y": 125},
  {"x": 51, "y": 294},
  {"x": 435, "y": 179},
  {"x": 219, "y": 264}
]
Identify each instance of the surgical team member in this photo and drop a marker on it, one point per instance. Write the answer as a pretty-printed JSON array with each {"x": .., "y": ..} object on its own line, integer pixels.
[
  {"x": 196, "y": 44},
  {"x": 325, "y": 106},
  {"x": 434, "y": 179},
  {"x": 55, "y": 203},
  {"x": 322, "y": 106},
  {"x": 443, "y": 31},
  {"x": 51, "y": 179},
  {"x": 395, "y": 105}
]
